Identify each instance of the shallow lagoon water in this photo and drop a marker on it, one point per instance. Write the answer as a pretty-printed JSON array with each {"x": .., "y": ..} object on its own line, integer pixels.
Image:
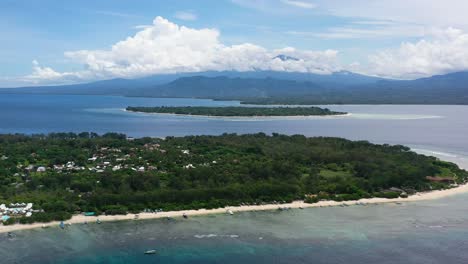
[{"x": 423, "y": 232}]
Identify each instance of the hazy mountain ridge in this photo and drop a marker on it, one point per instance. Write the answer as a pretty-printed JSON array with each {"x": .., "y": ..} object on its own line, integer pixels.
[
  {"x": 116, "y": 85},
  {"x": 278, "y": 87}
]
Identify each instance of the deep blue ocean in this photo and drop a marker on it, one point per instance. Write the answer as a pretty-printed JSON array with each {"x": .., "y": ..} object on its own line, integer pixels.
[{"x": 423, "y": 232}]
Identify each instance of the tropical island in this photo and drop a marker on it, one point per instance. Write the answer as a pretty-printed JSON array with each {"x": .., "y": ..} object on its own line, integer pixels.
[
  {"x": 63, "y": 174},
  {"x": 231, "y": 111}
]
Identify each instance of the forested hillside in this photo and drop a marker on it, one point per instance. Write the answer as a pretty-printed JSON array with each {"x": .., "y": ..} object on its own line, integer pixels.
[{"x": 67, "y": 173}]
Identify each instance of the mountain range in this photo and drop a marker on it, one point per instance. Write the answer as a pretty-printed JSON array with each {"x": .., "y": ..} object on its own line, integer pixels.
[{"x": 278, "y": 87}]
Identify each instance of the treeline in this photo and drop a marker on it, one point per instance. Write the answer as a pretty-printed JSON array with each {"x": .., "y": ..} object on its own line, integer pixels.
[
  {"x": 236, "y": 111},
  {"x": 203, "y": 171}
]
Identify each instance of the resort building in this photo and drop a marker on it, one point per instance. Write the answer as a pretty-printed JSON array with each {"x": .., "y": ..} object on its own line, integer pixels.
[{"x": 15, "y": 209}]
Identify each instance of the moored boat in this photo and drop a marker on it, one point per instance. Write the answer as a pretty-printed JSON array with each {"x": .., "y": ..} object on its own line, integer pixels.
[{"x": 150, "y": 252}]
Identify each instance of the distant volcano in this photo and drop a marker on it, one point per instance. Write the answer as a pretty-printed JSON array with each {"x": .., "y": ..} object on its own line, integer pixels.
[{"x": 285, "y": 58}]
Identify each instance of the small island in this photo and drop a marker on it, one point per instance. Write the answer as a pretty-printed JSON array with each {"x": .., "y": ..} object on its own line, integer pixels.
[
  {"x": 57, "y": 176},
  {"x": 232, "y": 111}
]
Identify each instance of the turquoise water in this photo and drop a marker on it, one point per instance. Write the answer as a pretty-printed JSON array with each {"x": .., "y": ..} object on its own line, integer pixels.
[{"x": 423, "y": 232}]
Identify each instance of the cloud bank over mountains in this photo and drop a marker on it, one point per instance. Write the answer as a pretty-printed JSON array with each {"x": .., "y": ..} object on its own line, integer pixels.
[
  {"x": 165, "y": 47},
  {"x": 447, "y": 52}
]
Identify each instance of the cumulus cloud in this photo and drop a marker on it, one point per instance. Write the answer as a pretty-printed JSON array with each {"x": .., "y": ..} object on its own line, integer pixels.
[
  {"x": 165, "y": 47},
  {"x": 47, "y": 74},
  {"x": 445, "y": 52}
]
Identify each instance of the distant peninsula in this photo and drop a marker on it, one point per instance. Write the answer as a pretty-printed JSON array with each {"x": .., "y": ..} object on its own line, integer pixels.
[{"x": 237, "y": 111}]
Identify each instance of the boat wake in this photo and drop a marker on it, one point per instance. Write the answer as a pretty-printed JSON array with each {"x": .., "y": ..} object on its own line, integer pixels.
[{"x": 215, "y": 235}]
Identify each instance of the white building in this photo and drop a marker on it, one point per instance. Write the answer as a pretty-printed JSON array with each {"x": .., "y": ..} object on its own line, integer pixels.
[{"x": 190, "y": 166}]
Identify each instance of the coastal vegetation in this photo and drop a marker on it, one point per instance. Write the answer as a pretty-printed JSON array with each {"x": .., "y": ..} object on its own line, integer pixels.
[
  {"x": 236, "y": 111},
  {"x": 66, "y": 173}
]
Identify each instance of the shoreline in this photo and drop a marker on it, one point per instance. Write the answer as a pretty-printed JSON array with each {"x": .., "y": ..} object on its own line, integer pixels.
[
  {"x": 81, "y": 219},
  {"x": 239, "y": 117}
]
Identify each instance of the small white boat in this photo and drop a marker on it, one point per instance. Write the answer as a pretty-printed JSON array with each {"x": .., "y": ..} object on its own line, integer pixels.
[
  {"x": 230, "y": 212},
  {"x": 150, "y": 252}
]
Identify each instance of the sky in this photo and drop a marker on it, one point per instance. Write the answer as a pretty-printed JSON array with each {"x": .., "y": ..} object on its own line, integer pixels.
[{"x": 51, "y": 42}]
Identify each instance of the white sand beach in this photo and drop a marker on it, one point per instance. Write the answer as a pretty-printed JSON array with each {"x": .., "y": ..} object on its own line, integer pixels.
[
  {"x": 294, "y": 117},
  {"x": 78, "y": 219}
]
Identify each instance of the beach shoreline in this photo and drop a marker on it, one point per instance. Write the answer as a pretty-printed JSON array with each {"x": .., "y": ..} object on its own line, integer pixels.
[
  {"x": 81, "y": 219},
  {"x": 300, "y": 117}
]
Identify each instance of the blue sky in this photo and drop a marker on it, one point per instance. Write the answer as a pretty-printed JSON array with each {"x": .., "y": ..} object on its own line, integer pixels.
[{"x": 52, "y": 41}]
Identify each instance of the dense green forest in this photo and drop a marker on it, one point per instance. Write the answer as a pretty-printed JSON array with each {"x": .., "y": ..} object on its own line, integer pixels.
[
  {"x": 66, "y": 173},
  {"x": 236, "y": 111}
]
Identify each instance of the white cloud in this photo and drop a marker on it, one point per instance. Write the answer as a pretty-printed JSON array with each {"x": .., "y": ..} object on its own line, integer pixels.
[
  {"x": 396, "y": 16},
  {"x": 445, "y": 52},
  {"x": 47, "y": 75},
  {"x": 42, "y": 73},
  {"x": 141, "y": 26},
  {"x": 292, "y": 7},
  {"x": 186, "y": 15},
  {"x": 165, "y": 47},
  {"x": 432, "y": 13},
  {"x": 375, "y": 31},
  {"x": 300, "y": 4}
]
